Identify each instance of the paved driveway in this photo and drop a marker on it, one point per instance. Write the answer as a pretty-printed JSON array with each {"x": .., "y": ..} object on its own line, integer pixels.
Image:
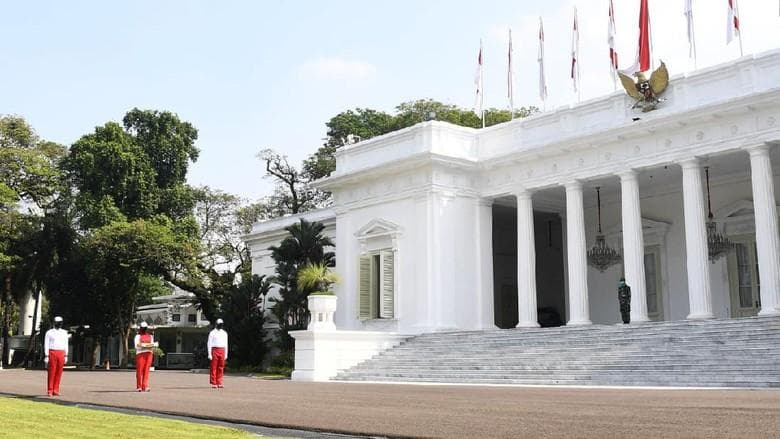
[{"x": 429, "y": 411}]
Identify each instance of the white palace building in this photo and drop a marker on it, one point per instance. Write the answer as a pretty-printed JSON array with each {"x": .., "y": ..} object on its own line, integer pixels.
[{"x": 442, "y": 228}]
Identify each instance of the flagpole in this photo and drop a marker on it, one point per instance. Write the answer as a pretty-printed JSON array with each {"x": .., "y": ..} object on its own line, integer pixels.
[{"x": 739, "y": 31}]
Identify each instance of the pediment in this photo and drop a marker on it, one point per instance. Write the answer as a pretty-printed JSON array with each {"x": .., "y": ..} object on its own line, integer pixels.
[{"x": 378, "y": 227}]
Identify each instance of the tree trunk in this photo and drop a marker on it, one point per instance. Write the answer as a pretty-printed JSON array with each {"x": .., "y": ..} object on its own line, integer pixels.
[
  {"x": 125, "y": 344},
  {"x": 6, "y": 318}
]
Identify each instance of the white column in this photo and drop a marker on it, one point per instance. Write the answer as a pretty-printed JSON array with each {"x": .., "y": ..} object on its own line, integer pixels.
[
  {"x": 767, "y": 241},
  {"x": 526, "y": 262},
  {"x": 699, "y": 292},
  {"x": 633, "y": 245},
  {"x": 579, "y": 311},
  {"x": 26, "y": 310},
  {"x": 484, "y": 244}
]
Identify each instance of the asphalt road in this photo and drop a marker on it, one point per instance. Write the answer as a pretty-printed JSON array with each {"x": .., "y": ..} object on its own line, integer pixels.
[{"x": 428, "y": 411}]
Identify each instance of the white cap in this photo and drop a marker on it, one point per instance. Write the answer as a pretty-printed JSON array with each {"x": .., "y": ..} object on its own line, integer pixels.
[
  {"x": 143, "y": 325},
  {"x": 219, "y": 321},
  {"x": 58, "y": 319}
]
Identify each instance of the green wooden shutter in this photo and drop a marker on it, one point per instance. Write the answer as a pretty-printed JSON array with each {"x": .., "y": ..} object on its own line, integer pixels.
[
  {"x": 364, "y": 296},
  {"x": 387, "y": 292}
]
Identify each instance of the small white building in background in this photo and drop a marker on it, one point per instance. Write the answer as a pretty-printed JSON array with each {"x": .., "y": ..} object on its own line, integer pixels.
[
  {"x": 440, "y": 227},
  {"x": 178, "y": 326}
]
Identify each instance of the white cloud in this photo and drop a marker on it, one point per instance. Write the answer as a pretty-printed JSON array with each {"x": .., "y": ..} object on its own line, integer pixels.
[{"x": 332, "y": 68}]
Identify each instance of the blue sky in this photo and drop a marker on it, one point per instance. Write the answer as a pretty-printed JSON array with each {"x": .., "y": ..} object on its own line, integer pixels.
[{"x": 257, "y": 74}]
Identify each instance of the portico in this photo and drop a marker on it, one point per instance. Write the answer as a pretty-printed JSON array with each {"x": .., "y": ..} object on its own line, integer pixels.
[{"x": 467, "y": 229}]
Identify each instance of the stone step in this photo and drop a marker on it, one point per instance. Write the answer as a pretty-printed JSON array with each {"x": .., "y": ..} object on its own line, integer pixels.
[{"x": 731, "y": 353}]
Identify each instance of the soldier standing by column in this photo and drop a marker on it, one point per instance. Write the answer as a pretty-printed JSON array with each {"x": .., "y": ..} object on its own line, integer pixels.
[
  {"x": 624, "y": 297},
  {"x": 144, "y": 345},
  {"x": 217, "y": 349},
  {"x": 55, "y": 351}
]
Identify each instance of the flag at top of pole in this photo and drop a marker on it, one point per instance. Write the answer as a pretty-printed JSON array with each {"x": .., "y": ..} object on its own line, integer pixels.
[
  {"x": 540, "y": 58},
  {"x": 644, "y": 37},
  {"x": 575, "y": 55},
  {"x": 642, "y": 62},
  {"x": 732, "y": 25},
  {"x": 613, "y": 57},
  {"x": 510, "y": 79},
  {"x": 479, "y": 83},
  {"x": 691, "y": 37}
]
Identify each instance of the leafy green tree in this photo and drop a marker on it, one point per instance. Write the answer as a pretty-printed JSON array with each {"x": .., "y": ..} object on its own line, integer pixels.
[
  {"x": 293, "y": 192},
  {"x": 120, "y": 257},
  {"x": 29, "y": 177},
  {"x": 304, "y": 246},
  {"x": 135, "y": 214}
]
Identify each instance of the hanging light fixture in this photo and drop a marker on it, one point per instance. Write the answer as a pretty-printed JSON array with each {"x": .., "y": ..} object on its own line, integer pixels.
[
  {"x": 718, "y": 244},
  {"x": 601, "y": 256}
]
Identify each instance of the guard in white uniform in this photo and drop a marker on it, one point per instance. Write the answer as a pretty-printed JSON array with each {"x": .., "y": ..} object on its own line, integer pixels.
[
  {"x": 55, "y": 350},
  {"x": 217, "y": 349}
]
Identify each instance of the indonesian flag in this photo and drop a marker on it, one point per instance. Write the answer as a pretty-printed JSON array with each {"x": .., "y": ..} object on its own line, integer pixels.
[
  {"x": 540, "y": 58},
  {"x": 691, "y": 38},
  {"x": 510, "y": 78},
  {"x": 642, "y": 62},
  {"x": 732, "y": 25},
  {"x": 613, "y": 57},
  {"x": 575, "y": 52},
  {"x": 478, "y": 82}
]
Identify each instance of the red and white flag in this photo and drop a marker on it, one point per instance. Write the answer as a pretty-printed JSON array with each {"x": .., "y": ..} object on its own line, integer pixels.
[
  {"x": 732, "y": 21},
  {"x": 613, "y": 57},
  {"x": 642, "y": 62},
  {"x": 733, "y": 28},
  {"x": 691, "y": 38},
  {"x": 540, "y": 58},
  {"x": 575, "y": 53},
  {"x": 510, "y": 78},
  {"x": 479, "y": 83}
]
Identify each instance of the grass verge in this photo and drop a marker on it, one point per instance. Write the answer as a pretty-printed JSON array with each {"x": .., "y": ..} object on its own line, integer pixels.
[{"x": 30, "y": 419}]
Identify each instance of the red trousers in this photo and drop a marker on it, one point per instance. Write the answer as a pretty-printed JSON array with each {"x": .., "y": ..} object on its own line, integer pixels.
[
  {"x": 217, "y": 366},
  {"x": 143, "y": 362},
  {"x": 56, "y": 364}
]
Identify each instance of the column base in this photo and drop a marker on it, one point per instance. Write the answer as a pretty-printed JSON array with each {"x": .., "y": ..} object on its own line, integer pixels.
[
  {"x": 701, "y": 316},
  {"x": 578, "y": 323},
  {"x": 769, "y": 312},
  {"x": 527, "y": 325},
  {"x": 639, "y": 319}
]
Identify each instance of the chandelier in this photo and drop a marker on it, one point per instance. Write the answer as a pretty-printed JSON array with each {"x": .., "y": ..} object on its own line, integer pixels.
[
  {"x": 601, "y": 256},
  {"x": 718, "y": 244}
]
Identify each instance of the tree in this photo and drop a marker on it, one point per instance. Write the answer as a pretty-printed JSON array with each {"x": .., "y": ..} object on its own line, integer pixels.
[
  {"x": 244, "y": 315},
  {"x": 29, "y": 175},
  {"x": 294, "y": 193},
  {"x": 223, "y": 219},
  {"x": 119, "y": 257},
  {"x": 304, "y": 246},
  {"x": 135, "y": 214}
]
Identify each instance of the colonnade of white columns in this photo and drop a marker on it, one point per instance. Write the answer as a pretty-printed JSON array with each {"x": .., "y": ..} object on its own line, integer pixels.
[{"x": 699, "y": 289}]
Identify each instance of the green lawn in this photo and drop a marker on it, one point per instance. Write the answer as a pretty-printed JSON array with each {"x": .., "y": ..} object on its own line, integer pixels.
[{"x": 21, "y": 418}]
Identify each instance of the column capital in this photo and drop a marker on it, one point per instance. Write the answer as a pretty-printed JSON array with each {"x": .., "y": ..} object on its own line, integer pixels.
[
  {"x": 482, "y": 201},
  {"x": 690, "y": 163},
  {"x": 758, "y": 148},
  {"x": 522, "y": 192},
  {"x": 572, "y": 185},
  {"x": 628, "y": 174}
]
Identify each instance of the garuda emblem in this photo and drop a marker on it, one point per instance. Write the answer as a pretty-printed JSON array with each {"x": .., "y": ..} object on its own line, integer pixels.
[{"x": 646, "y": 92}]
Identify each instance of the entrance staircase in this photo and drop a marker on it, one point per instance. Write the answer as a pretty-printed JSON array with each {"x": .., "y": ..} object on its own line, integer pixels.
[{"x": 705, "y": 353}]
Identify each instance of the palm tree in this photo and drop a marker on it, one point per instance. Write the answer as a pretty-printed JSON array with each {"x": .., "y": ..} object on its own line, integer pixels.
[
  {"x": 318, "y": 278},
  {"x": 304, "y": 246}
]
